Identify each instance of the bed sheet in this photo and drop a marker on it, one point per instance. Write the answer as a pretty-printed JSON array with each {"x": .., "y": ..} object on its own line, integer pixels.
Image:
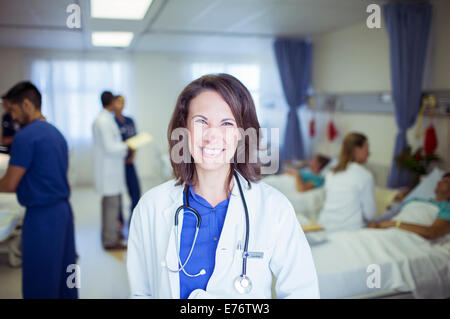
[
  {"x": 346, "y": 261},
  {"x": 10, "y": 214}
]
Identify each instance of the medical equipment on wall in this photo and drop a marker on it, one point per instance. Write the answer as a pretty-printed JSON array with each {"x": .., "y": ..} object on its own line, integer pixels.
[
  {"x": 332, "y": 104},
  {"x": 242, "y": 283},
  {"x": 312, "y": 122},
  {"x": 430, "y": 141}
]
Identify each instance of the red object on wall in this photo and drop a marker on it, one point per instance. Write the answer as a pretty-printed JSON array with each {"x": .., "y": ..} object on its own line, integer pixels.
[
  {"x": 430, "y": 142},
  {"x": 332, "y": 131},
  {"x": 312, "y": 128}
]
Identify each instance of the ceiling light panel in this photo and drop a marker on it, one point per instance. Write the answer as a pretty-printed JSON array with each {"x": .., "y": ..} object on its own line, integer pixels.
[
  {"x": 120, "y": 9},
  {"x": 112, "y": 39}
]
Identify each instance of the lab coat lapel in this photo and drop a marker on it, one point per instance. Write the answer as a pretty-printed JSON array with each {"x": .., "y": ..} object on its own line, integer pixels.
[
  {"x": 232, "y": 232},
  {"x": 171, "y": 255}
]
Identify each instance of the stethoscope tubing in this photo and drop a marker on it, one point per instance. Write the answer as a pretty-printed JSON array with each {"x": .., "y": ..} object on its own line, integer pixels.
[
  {"x": 247, "y": 228},
  {"x": 199, "y": 221}
]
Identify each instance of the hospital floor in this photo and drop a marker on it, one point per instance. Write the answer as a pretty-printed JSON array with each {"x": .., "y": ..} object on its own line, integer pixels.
[{"x": 103, "y": 273}]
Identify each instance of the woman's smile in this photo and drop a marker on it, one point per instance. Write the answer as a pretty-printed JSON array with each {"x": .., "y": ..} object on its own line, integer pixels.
[{"x": 210, "y": 152}]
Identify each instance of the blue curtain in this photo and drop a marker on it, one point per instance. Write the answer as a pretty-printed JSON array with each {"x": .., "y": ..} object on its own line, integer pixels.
[
  {"x": 408, "y": 26},
  {"x": 294, "y": 65}
]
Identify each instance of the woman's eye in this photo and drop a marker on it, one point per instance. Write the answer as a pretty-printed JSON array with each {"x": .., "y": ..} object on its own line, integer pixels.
[
  {"x": 227, "y": 123},
  {"x": 201, "y": 121}
]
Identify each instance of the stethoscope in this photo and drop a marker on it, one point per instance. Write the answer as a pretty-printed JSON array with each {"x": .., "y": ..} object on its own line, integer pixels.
[{"x": 242, "y": 283}]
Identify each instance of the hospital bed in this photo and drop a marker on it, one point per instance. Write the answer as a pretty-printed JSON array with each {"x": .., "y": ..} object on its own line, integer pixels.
[
  {"x": 11, "y": 217},
  {"x": 347, "y": 262},
  {"x": 408, "y": 265},
  {"x": 382, "y": 263},
  {"x": 310, "y": 203}
]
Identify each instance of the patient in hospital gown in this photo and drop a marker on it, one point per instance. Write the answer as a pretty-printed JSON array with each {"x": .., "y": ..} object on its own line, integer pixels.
[
  {"x": 427, "y": 218},
  {"x": 309, "y": 177}
]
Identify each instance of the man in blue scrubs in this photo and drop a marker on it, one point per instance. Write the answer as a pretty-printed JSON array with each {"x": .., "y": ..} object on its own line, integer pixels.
[
  {"x": 127, "y": 130},
  {"x": 37, "y": 172}
]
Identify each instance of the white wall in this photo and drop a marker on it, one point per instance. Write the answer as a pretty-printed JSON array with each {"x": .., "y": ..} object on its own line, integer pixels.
[{"x": 356, "y": 60}]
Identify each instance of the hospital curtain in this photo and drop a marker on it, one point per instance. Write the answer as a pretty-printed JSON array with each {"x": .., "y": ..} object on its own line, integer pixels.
[
  {"x": 408, "y": 26},
  {"x": 294, "y": 65}
]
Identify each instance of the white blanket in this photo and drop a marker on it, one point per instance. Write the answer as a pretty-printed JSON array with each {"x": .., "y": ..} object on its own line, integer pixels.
[
  {"x": 307, "y": 203},
  {"x": 406, "y": 261}
]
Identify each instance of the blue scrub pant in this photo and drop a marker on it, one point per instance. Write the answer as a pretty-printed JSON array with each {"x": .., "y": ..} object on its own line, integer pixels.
[
  {"x": 48, "y": 247},
  {"x": 134, "y": 190}
]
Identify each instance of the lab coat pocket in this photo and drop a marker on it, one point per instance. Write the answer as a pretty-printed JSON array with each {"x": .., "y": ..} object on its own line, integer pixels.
[{"x": 257, "y": 261}]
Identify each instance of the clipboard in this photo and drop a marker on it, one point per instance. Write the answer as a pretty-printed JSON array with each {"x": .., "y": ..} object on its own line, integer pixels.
[
  {"x": 139, "y": 140},
  {"x": 312, "y": 228}
]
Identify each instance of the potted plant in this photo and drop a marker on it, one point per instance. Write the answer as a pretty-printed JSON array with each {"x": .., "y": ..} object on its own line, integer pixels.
[{"x": 417, "y": 163}]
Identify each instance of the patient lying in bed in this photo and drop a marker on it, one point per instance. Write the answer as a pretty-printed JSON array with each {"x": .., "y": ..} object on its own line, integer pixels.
[
  {"x": 427, "y": 218},
  {"x": 309, "y": 177}
]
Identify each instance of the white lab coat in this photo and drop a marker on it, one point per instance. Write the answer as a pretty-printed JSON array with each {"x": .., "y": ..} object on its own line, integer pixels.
[
  {"x": 349, "y": 199},
  {"x": 274, "y": 230},
  {"x": 109, "y": 154}
]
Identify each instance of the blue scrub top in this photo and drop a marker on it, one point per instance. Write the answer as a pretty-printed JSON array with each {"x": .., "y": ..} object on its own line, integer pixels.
[
  {"x": 42, "y": 150},
  {"x": 204, "y": 253},
  {"x": 444, "y": 206},
  {"x": 307, "y": 175},
  {"x": 127, "y": 129}
]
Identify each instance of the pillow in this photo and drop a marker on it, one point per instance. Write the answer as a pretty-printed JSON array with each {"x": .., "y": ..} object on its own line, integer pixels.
[
  {"x": 417, "y": 212},
  {"x": 425, "y": 189},
  {"x": 283, "y": 182},
  {"x": 383, "y": 198}
]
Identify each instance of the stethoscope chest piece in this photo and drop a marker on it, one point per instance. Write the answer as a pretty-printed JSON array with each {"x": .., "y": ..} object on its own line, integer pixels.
[{"x": 243, "y": 284}]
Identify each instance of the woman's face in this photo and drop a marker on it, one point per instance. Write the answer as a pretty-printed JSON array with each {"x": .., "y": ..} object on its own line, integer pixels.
[
  {"x": 362, "y": 153},
  {"x": 314, "y": 165},
  {"x": 119, "y": 104},
  {"x": 213, "y": 131}
]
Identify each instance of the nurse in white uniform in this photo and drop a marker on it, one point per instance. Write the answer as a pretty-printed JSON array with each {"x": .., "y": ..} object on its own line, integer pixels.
[
  {"x": 349, "y": 188},
  {"x": 234, "y": 231}
]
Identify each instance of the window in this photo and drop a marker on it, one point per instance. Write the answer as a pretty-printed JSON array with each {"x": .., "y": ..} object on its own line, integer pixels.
[{"x": 71, "y": 92}]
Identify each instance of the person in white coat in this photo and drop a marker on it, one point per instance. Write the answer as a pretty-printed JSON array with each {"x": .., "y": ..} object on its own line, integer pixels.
[
  {"x": 109, "y": 173},
  {"x": 238, "y": 230},
  {"x": 349, "y": 188}
]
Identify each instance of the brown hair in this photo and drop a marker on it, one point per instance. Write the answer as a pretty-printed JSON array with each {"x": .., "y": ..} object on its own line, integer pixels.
[
  {"x": 238, "y": 98},
  {"x": 351, "y": 141},
  {"x": 323, "y": 160}
]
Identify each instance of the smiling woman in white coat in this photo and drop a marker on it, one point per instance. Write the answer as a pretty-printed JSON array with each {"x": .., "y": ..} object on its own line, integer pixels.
[{"x": 216, "y": 230}]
